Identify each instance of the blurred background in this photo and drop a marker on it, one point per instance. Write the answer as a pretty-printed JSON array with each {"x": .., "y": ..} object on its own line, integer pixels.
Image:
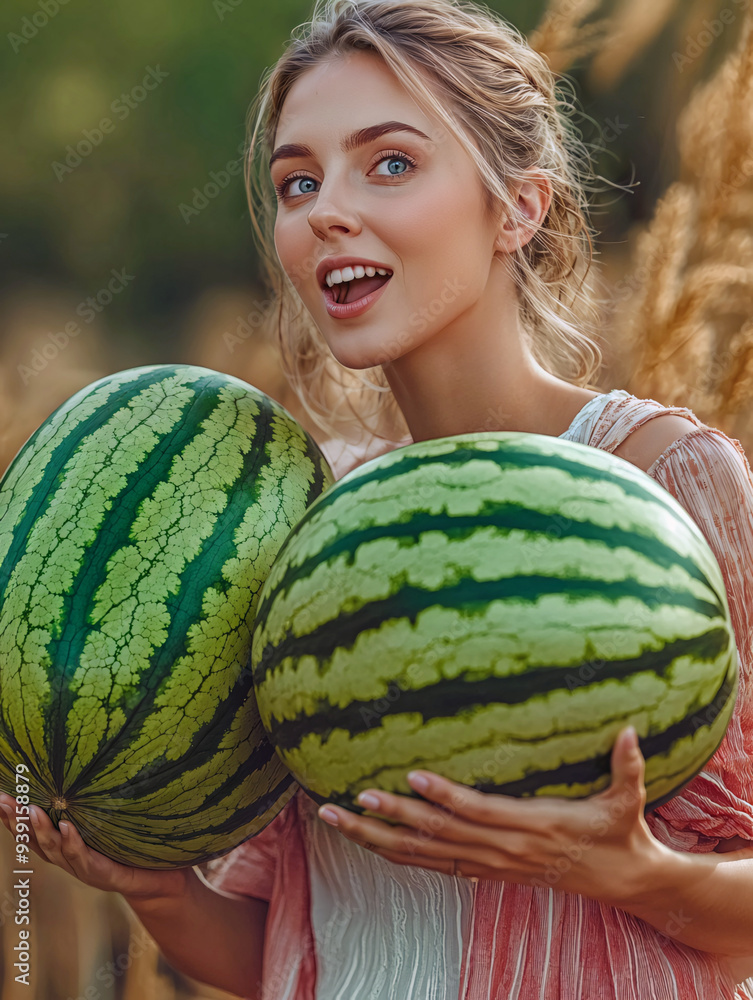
[{"x": 130, "y": 244}]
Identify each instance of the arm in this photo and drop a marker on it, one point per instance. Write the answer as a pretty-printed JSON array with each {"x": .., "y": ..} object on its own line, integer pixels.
[
  {"x": 709, "y": 474},
  {"x": 704, "y": 901},
  {"x": 208, "y": 934}
]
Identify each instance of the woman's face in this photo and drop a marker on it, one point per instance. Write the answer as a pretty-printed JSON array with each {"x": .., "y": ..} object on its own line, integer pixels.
[{"x": 410, "y": 203}]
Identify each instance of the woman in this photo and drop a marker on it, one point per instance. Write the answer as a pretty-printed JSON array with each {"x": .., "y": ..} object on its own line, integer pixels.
[{"x": 470, "y": 315}]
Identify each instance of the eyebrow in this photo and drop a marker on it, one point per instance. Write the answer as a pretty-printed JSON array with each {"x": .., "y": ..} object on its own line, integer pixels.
[{"x": 361, "y": 137}]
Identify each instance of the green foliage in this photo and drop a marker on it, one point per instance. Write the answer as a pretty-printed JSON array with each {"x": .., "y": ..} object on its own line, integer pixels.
[{"x": 69, "y": 66}]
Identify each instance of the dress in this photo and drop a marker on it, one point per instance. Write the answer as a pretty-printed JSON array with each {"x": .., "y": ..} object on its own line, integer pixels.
[{"x": 345, "y": 924}]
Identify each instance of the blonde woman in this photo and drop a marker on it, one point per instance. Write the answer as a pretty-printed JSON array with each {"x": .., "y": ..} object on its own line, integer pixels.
[{"x": 427, "y": 244}]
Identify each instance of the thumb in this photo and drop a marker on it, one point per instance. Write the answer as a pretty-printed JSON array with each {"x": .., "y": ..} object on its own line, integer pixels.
[{"x": 628, "y": 763}]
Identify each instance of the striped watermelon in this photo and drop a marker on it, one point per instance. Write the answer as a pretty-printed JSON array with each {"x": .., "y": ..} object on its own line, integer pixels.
[
  {"x": 137, "y": 525},
  {"x": 494, "y": 607}
]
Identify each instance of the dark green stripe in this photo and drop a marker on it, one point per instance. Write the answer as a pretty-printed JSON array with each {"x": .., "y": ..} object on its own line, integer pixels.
[
  {"x": 150, "y": 847},
  {"x": 114, "y": 533},
  {"x": 163, "y": 772},
  {"x": 203, "y": 571},
  {"x": 471, "y": 597},
  {"x": 593, "y": 769},
  {"x": 451, "y": 696},
  {"x": 505, "y": 517},
  {"x": 508, "y": 456},
  {"x": 323, "y": 475},
  {"x": 655, "y": 745},
  {"x": 45, "y": 489}
]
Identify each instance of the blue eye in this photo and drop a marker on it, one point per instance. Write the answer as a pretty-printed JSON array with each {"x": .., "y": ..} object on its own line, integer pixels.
[
  {"x": 304, "y": 180},
  {"x": 282, "y": 187},
  {"x": 391, "y": 160}
]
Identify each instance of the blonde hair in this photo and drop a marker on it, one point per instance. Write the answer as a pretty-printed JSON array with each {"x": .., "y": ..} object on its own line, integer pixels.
[{"x": 499, "y": 91}]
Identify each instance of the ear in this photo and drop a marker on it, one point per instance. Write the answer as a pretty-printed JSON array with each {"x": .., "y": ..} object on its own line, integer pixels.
[{"x": 533, "y": 198}]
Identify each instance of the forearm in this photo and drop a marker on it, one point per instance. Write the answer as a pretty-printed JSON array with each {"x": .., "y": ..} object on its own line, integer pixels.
[
  {"x": 212, "y": 937},
  {"x": 704, "y": 901}
]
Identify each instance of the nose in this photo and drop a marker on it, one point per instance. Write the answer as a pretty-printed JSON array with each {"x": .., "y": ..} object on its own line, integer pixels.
[{"x": 333, "y": 210}]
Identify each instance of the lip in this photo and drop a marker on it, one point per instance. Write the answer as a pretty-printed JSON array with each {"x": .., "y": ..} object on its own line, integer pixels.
[
  {"x": 348, "y": 310},
  {"x": 338, "y": 263}
]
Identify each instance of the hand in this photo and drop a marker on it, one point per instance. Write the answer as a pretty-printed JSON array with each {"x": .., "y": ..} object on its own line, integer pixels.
[
  {"x": 69, "y": 852},
  {"x": 599, "y": 847}
]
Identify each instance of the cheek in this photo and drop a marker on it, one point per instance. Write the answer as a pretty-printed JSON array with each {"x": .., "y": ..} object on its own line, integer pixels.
[
  {"x": 437, "y": 238},
  {"x": 294, "y": 252}
]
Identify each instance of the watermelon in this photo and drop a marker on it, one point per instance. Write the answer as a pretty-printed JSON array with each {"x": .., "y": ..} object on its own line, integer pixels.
[
  {"x": 494, "y": 607},
  {"x": 137, "y": 525}
]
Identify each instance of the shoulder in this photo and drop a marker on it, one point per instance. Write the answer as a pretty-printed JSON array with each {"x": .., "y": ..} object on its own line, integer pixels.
[{"x": 653, "y": 438}]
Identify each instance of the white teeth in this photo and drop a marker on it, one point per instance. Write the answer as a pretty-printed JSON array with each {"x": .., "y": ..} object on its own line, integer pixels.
[{"x": 336, "y": 276}]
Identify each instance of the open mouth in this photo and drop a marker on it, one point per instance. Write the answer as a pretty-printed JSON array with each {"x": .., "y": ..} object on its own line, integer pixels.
[{"x": 358, "y": 288}]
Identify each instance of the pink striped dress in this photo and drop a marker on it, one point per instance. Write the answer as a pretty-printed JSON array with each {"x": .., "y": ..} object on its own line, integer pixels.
[{"x": 345, "y": 924}]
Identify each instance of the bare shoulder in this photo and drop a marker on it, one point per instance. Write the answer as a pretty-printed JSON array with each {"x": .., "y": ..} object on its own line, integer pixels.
[{"x": 652, "y": 439}]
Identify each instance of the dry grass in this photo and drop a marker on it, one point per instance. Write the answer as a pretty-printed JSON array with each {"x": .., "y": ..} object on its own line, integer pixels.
[
  {"x": 683, "y": 334},
  {"x": 633, "y": 27},
  {"x": 563, "y": 37}
]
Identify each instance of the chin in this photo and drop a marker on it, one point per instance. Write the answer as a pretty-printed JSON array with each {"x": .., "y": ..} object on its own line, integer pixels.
[
  {"x": 359, "y": 363},
  {"x": 360, "y": 360}
]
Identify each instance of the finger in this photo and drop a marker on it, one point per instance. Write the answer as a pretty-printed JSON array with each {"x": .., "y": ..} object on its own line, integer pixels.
[
  {"x": 628, "y": 767},
  {"x": 487, "y": 808},
  {"x": 49, "y": 839},
  {"x": 404, "y": 839},
  {"x": 79, "y": 858},
  {"x": 5, "y": 817},
  {"x": 14, "y": 814},
  {"x": 461, "y": 814},
  {"x": 430, "y": 819},
  {"x": 91, "y": 866}
]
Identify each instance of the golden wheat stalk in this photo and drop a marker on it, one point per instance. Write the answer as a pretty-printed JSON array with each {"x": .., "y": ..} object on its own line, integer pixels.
[
  {"x": 561, "y": 35},
  {"x": 686, "y": 332},
  {"x": 633, "y": 26}
]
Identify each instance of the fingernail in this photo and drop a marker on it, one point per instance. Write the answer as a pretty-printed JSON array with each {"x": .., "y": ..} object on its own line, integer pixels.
[
  {"x": 370, "y": 801},
  {"x": 6, "y": 809},
  {"x": 63, "y": 828},
  {"x": 632, "y": 737},
  {"x": 418, "y": 781},
  {"x": 329, "y": 816},
  {"x": 33, "y": 813}
]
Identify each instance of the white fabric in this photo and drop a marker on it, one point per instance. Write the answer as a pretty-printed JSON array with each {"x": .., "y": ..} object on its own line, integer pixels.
[{"x": 385, "y": 932}]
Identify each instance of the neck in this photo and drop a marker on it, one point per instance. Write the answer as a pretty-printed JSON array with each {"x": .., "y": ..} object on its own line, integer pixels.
[{"x": 476, "y": 375}]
